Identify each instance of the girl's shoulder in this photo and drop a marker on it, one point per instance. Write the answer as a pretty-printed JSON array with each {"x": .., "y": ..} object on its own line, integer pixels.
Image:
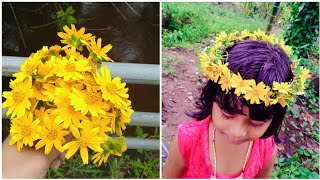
[
  {"x": 193, "y": 134},
  {"x": 266, "y": 148}
]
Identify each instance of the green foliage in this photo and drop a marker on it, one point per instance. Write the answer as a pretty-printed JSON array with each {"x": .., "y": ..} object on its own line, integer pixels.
[
  {"x": 260, "y": 9},
  {"x": 295, "y": 166},
  {"x": 303, "y": 28},
  {"x": 312, "y": 99},
  {"x": 189, "y": 23},
  {"x": 146, "y": 169},
  {"x": 132, "y": 164},
  {"x": 168, "y": 65},
  {"x": 140, "y": 133},
  {"x": 64, "y": 16}
]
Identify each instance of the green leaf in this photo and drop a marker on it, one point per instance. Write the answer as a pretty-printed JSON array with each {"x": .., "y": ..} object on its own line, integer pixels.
[
  {"x": 89, "y": 170},
  {"x": 313, "y": 175},
  {"x": 292, "y": 139},
  {"x": 300, "y": 151}
]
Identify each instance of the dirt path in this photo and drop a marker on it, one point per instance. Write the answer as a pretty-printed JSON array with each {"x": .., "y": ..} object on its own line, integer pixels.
[{"x": 179, "y": 92}]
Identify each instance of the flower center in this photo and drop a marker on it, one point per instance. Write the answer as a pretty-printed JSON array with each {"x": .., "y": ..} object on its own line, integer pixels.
[
  {"x": 242, "y": 84},
  {"x": 25, "y": 130},
  {"x": 70, "y": 67},
  {"x": 91, "y": 98},
  {"x": 30, "y": 69},
  {"x": 90, "y": 81},
  {"x": 255, "y": 93},
  {"x": 37, "y": 85},
  {"x": 18, "y": 96},
  {"x": 42, "y": 71},
  {"x": 70, "y": 108},
  {"x": 82, "y": 143},
  {"x": 112, "y": 88},
  {"x": 52, "y": 134}
]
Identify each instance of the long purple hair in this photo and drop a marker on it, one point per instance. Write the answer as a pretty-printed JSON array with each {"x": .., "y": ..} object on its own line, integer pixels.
[{"x": 256, "y": 60}]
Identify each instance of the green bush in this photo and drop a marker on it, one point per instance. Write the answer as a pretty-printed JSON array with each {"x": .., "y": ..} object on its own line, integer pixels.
[
  {"x": 190, "y": 23},
  {"x": 295, "y": 166},
  {"x": 303, "y": 28}
]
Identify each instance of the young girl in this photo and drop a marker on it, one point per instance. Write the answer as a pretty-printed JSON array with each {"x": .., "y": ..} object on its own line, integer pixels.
[{"x": 240, "y": 110}]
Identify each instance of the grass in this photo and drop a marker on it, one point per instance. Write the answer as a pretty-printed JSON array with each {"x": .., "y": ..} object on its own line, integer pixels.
[
  {"x": 132, "y": 164},
  {"x": 168, "y": 65},
  {"x": 186, "y": 24}
]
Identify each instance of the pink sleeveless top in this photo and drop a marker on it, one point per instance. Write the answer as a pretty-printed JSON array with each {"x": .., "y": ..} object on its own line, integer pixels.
[{"x": 194, "y": 148}]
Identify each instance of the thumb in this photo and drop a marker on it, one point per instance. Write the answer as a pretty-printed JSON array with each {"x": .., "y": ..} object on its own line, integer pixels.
[{"x": 59, "y": 158}]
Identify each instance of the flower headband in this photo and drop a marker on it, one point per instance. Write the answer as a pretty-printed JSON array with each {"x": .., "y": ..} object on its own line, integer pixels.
[{"x": 214, "y": 65}]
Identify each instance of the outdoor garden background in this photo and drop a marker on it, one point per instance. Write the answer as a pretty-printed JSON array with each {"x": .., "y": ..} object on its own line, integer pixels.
[
  {"x": 187, "y": 28},
  {"x": 133, "y": 31}
]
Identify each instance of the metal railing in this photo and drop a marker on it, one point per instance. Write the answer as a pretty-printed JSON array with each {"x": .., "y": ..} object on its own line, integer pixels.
[{"x": 129, "y": 73}]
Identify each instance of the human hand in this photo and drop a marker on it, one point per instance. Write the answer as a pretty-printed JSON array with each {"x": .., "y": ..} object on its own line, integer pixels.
[{"x": 29, "y": 163}]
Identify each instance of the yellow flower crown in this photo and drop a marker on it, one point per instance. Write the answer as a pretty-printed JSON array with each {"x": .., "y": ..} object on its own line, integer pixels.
[{"x": 214, "y": 65}]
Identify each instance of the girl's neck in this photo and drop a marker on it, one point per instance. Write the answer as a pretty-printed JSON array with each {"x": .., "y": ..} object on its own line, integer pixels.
[{"x": 230, "y": 157}]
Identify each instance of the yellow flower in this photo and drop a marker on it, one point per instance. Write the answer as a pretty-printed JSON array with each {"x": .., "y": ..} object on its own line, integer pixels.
[
  {"x": 71, "y": 69},
  {"x": 51, "y": 134},
  {"x": 65, "y": 112},
  {"x": 100, "y": 122},
  {"x": 287, "y": 49},
  {"x": 24, "y": 131},
  {"x": 222, "y": 37},
  {"x": 233, "y": 36},
  {"x": 215, "y": 71},
  {"x": 18, "y": 98},
  {"x": 114, "y": 146},
  {"x": 261, "y": 35},
  {"x": 72, "y": 37},
  {"x": 305, "y": 73},
  {"x": 37, "y": 89},
  {"x": 120, "y": 124},
  {"x": 256, "y": 93},
  {"x": 283, "y": 87},
  {"x": 245, "y": 35},
  {"x": 40, "y": 113},
  {"x": 126, "y": 109},
  {"x": 90, "y": 83},
  {"x": 85, "y": 102},
  {"x": 268, "y": 100},
  {"x": 281, "y": 99},
  {"x": 118, "y": 145},
  {"x": 73, "y": 52},
  {"x": 49, "y": 91},
  {"x": 87, "y": 138},
  {"x": 101, "y": 157},
  {"x": 54, "y": 50},
  {"x": 99, "y": 53},
  {"x": 225, "y": 80},
  {"x": 112, "y": 89},
  {"x": 46, "y": 70},
  {"x": 241, "y": 86},
  {"x": 204, "y": 59},
  {"x": 29, "y": 67}
]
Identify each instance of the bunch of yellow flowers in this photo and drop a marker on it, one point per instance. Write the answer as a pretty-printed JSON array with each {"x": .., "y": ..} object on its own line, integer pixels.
[
  {"x": 215, "y": 66},
  {"x": 60, "y": 92}
]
